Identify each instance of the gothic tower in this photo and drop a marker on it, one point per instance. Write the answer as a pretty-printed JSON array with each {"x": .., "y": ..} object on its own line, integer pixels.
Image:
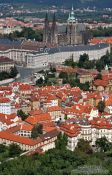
[
  {"x": 46, "y": 34},
  {"x": 71, "y": 28},
  {"x": 54, "y": 31}
]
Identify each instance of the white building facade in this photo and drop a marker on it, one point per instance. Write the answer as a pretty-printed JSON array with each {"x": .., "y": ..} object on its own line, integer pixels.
[{"x": 59, "y": 55}]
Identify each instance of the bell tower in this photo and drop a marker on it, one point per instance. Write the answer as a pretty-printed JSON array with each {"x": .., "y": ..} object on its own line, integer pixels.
[
  {"x": 54, "y": 31},
  {"x": 46, "y": 34},
  {"x": 71, "y": 28}
]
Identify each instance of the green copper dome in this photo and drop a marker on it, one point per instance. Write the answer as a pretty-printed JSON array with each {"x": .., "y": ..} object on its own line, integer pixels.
[{"x": 71, "y": 17}]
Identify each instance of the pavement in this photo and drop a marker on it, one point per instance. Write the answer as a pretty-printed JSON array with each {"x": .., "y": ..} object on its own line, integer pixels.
[{"x": 26, "y": 73}]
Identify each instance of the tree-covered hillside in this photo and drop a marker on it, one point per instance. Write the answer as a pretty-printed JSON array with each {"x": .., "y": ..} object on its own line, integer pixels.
[{"x": 76, "y": 3}]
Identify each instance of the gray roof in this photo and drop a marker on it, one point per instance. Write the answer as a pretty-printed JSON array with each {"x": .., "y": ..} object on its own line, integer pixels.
[
  {"x": 49, "y": 135},
  {"x": 83, "y": 122},
  {"x": 10, "y": 42},
  {"x": 75, "y": 48},
  {"x": 68, "y": 48}
]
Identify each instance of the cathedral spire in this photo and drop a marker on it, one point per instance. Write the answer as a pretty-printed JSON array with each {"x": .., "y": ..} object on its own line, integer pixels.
[
  {"x": 71, "y": 17},
  {"x": 54, "y": 18},
  {"x": 54, "y": 29},
  {"x": 72, "y": 8},
  {"x": 46, "y": 29},
  {"x": 46, "y": 18},
  {"x": 54, "y": 22}
]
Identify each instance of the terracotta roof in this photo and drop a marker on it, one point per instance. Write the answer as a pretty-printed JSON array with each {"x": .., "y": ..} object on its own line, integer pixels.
[
  {"x": 101, "y": 123},
  {"x": 54, "y": 108},
  {"x": 20, "y": 127},
  {"x": 100, "y": 82},
  {"x": 71, "y": 130},
  {"x": 15, "y": 138},
  {"x": 107, "y": 40},
  {"x": 108, "y": 102},
  {"x": 5, "y": 100},
  {"x": 38, "y": 118},
  {"x": 35, "y": 112},
  {"x": 25, "y": 87}
]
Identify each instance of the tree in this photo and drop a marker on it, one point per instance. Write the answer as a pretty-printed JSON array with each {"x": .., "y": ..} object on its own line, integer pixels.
[
  {"x": 4, "y": 75},
  {"x": 63, "y": 75},
  {"x": 37, "y": 130},
  {"x": 14, "y": 150},
  {"x": 70, "y": 62},
  {"x": 102, "y": 32},
  {"x": 65, "y": 117},
  {"x": 27, "y": 33},
  {"x": 2, "y": 148},
  {"x": 103, "y": 144},
  {"x": 61, "y": 141},
  {"x": 101, "y": 106},
  {"x": 40, "y": 81},
  {"x": 21, "y": 114},
  {"x": 88, "y": 64},
  {"x": 99, "y": 65},
  {"x": 13, "y": 72},
  {"x": 52, "y": 69},
  {"x": 99, "y": 76},
  {"x": 83, "y": 59},
  {"x": 84, "y": 146},
  {"x": 84, "y": 86}
]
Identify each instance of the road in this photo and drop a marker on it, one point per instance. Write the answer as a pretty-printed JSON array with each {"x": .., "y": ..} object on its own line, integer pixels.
[{"x": 26, "y": 73}]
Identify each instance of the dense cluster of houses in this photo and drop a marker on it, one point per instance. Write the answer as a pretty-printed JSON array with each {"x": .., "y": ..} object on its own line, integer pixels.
[{"x": 59, "y": 109}]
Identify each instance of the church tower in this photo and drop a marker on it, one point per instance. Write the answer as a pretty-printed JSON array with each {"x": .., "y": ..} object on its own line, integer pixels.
[
  {"x": 46, "y": 34},
  {"x": 71, "y": 28},
  {"x": 54, "y": 32}
]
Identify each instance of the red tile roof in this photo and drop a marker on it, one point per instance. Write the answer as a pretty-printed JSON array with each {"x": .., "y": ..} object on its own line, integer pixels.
[
  {"x": 38, "y": 118},
  {"x": 71, "y": 130},
  {"x": 107, "y": 40},
  {"x": 15, "y": 138},
  {"x": 35, "y": 112},
  {"x": 54, "y": 108},
  {"x": 101, "y": 83},
  {"x": 101, "y": 123},
  {"x": 5, "y": 100}
]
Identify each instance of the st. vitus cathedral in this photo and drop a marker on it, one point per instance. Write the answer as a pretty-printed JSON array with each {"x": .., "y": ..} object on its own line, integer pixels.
[{"x": 73, "y": 33}]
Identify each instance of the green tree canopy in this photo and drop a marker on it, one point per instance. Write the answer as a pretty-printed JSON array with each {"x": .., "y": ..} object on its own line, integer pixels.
[
  {"x": 61, "y": 141},
  {"x": 2, "y": 148},
  {"x": 83, "y": 146},
  {"x": 14, "y": 150},
  {"x": 63, "y": 75},
  {"x": 27, "y": 33},
  {"x": 101, "y": 106},
  {"x": 37, "y": 130},
  {"x": 40, "y": 81},
  {"x": 21, "y": 114},
  {"x": 103, "y": 144},
  {"x": 13, "y": 72},
  {"x": 99, "y": 76},
  {"x": 70, "y": 62},
  {"x": 83, "y": 59}
]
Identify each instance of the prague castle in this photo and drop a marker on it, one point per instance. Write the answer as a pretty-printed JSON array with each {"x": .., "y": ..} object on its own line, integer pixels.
[{"x": 73, "y": 33}]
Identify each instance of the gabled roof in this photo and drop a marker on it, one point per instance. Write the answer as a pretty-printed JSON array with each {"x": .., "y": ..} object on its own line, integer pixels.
[
  {"x": 54, "y": 108},
  {"x": 71, "y": 130},
  {"x": 101, "y": 82},
  {"x": 19, "y": 139},
  {"x": 38, "y": 118}
]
